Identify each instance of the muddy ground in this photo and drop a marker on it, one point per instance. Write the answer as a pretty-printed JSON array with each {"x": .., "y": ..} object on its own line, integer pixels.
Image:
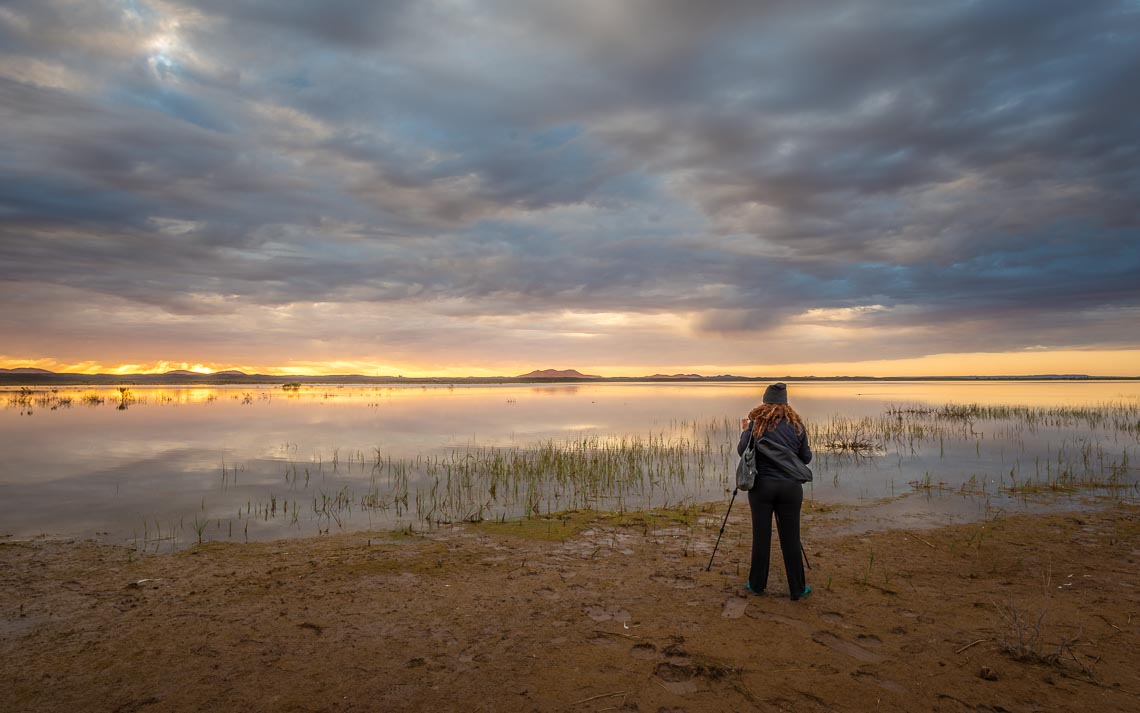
[{"x": 585, "y": 613}]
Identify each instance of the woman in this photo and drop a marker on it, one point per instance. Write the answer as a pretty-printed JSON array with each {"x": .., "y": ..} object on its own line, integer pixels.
[{"x": 776, "y": 491}]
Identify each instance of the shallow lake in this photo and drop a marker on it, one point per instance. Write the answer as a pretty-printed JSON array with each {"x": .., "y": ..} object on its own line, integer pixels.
[{"x": 165, "y": 467}]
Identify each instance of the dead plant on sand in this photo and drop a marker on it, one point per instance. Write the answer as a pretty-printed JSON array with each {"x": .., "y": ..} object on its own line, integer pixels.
[{"x": 1022, "y": 638}]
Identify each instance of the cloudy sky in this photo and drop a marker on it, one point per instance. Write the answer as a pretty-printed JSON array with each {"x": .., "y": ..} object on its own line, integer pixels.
[{"x": 488, "y": 187}]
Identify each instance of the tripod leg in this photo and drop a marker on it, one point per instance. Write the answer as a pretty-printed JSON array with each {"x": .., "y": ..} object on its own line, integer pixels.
[
  {"x": 730, "y": 502},
  {"x": 803, "y": 552}
]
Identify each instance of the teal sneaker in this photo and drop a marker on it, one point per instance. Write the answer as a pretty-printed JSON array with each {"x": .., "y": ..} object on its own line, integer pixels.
[
  {"x": 748, "y": 587},
  {"x": 807, "y": 591}
]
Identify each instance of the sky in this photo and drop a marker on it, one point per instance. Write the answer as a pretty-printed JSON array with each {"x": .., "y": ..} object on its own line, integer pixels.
[{"x": 437, "y": 187}]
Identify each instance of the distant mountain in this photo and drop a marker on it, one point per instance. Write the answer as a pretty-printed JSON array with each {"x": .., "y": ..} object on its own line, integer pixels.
[
  {"x": 557, "y": 374},
  {"x": 27, "y": 376},
  {"x": 31, "y": 376},
  {"x": 186, "y": 372}
]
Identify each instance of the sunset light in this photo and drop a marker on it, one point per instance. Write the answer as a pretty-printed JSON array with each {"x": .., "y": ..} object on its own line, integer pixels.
[{"x": 569, "y": 356}]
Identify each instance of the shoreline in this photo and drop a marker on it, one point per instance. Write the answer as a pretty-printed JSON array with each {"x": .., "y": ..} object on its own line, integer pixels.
[
  {"x": 837, "y": 518},
  {"x": 588, "y": 613}
]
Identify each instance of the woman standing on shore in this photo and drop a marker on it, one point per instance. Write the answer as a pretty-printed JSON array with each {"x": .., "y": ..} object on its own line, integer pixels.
[{"x": 776, "y": 490}]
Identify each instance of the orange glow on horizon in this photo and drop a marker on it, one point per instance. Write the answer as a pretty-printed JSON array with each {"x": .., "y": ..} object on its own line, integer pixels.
[{"x": 1093, "y": 363}]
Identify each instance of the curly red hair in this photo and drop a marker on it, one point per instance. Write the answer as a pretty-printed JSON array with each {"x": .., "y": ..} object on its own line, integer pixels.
[{"x": 766, "y": 416}]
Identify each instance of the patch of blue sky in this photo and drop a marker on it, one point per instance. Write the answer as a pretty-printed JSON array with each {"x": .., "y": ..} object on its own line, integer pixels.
[{"x": 173, "y": 103}]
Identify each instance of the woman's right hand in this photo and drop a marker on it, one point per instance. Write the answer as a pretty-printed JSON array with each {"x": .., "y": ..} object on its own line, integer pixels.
[{"x": 743, "y": 424}]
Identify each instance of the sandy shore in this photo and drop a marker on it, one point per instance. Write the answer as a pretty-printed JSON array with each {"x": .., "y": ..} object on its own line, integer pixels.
[{"x": 584, "y": 613}]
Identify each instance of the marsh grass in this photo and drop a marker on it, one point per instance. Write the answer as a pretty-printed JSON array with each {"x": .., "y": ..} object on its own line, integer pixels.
[
  {"x": 1116, "y": 415},
  {"x": 155, "y": 537},
  {"x": 1093, "y": 454},
  {"x": 472, "y": 484},
  {"x": 27, "y": 399},
  {"x": 126, "y": 398},
  {"x": 928, "y": 484},
  {"x": 632, "y": 475},
  {"x": 914, "y": 425},
  {"x": 840, "y": 434}
]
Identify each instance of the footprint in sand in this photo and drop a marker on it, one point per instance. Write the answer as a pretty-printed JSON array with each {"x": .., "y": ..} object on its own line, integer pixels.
[
  {"x": 835, "y": 643},
  {"x": 676, "y": 581},
  {"x": 600, "y": 639},
  {"x": 678, "y": 679},
  {"x": 873, "y": 679},
  {"x": 835, "y": 619},
  {"x": 645, "y": 650},
  {"x": 785, "y": 620},
  {"x": 734, "y": 608},
  {"x": 601, "y": 614}
]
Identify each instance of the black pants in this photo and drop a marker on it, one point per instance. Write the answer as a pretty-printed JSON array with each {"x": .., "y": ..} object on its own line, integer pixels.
[{"x": 784, "y": 498}]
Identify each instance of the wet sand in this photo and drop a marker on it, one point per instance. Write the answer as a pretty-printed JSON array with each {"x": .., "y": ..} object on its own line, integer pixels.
[{"x": 585, "y": 613}]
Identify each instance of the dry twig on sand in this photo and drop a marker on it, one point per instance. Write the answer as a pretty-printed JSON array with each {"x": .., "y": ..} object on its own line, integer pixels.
[{"x": 600, "y": 695}]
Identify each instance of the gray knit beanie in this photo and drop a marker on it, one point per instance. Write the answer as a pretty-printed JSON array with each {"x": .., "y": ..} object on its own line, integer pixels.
[{"x": 776, "y": 394}]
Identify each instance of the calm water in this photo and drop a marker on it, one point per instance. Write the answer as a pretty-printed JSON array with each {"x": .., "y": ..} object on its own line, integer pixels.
[{"x": 165, "y": 466}]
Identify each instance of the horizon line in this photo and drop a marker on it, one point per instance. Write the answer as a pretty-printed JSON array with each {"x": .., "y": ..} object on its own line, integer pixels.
[{"x": 236, "y": 376}]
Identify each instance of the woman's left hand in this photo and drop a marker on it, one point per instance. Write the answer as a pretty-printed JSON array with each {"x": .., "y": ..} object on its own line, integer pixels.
[{"x": 743, "y": 424}]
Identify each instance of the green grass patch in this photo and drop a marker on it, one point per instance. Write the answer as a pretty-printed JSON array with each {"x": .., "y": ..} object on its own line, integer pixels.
[
  {"x": 547, "y": 528},
  {"x": 558, "y": 527}
]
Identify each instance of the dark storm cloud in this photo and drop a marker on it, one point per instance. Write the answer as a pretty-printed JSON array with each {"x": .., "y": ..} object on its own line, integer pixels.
[
  {"x": 349, "y": 23},
  {"x": 971, "y": 165}
]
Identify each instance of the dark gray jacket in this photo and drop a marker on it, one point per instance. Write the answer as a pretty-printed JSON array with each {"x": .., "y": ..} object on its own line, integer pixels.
[{"x": 775, "y": 450}]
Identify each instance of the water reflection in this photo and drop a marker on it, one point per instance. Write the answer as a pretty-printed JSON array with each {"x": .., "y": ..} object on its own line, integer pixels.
[{"x": 259, "y": 462}]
